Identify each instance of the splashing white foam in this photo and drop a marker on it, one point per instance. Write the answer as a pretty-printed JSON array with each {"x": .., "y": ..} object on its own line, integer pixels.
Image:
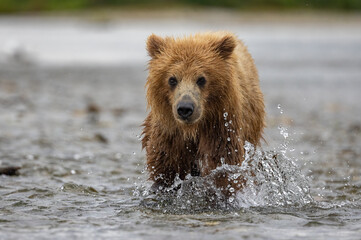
[{"x": 272, "y": 180}]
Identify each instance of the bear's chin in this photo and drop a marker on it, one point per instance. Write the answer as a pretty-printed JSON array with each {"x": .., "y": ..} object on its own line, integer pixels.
[
  {"x": 187, "y": 122},
  {"x": 188, "y": 128}
]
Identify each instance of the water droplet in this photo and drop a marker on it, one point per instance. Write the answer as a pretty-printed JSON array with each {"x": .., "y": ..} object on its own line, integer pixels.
[
  {"x": 225, "y": 115},
  {"x": 231, "y": 189},
  {"x": 226, "y": 124},
  {"x": 222, "y": 160},
  {"x": 283, "y": 131},
  {"x": 230, "y": 199},
  {"x": 228, "y": 139},
  {"x": 73, "y": 171}
]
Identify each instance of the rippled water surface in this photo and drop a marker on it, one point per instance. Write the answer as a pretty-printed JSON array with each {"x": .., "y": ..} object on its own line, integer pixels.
[{"x": 74, "y": 131}]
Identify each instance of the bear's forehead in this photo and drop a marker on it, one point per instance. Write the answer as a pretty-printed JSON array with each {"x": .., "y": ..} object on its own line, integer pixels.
[
  {"x": 189, "y": 55},
  {"x": 189, "y": 64},
  {"x": 185, "y": 52}
]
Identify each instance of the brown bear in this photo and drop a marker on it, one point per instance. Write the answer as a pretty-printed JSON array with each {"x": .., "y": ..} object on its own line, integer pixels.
[{"x": 205, "y": 102}]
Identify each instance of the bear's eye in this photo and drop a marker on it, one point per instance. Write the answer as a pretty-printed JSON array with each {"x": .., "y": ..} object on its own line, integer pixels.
[
  {"x": 201, "y": 81},
  {"x": 172, "y": 82}
]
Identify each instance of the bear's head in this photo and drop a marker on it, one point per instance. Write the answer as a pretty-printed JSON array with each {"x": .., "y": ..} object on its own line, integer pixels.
[{"x": 188, "y": 77}]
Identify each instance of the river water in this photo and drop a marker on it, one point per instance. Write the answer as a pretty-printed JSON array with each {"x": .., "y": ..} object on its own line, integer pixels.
[{"x": 72, "y": 99}]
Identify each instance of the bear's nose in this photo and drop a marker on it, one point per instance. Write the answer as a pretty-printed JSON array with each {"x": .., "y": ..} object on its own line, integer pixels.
[{"x": 185, "y": 109}]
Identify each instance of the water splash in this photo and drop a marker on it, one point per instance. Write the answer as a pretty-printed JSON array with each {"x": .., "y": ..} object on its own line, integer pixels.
[
  {"x": 275, "y": 180},
  {"x": 272, "y": 180}
]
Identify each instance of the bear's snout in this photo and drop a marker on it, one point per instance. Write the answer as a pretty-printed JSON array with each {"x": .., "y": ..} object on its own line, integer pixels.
[{"x": 185, "y": 109}]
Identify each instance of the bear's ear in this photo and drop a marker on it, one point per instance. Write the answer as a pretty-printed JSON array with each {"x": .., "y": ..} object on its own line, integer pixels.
[
  {"x": 225, "y": 46},
  {"x": 154, "y": 45}
]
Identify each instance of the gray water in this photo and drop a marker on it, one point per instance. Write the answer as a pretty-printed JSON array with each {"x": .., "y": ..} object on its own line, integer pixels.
[{"x": 72, "y": 99}]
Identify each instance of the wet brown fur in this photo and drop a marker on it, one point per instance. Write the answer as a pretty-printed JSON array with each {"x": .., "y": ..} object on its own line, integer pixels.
[{"x": 232, "y": 86}]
